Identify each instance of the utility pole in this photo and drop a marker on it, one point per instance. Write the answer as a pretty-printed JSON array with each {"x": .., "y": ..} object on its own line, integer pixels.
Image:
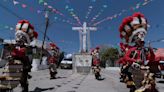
[{"x": 45, "y": 32}]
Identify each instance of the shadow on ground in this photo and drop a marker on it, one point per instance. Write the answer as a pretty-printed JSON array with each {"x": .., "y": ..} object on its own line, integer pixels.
[
  {"x": 60, "y": 77},
  {"x": 160, "y": 81},
  {"x": 57, "y": 78},
  {"x": 37, "y": 89}
]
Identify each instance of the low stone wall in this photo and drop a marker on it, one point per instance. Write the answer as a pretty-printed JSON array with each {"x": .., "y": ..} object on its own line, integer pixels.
[
  {"x": 83, "y": 70},
  {"x": 82, "y": 63}
]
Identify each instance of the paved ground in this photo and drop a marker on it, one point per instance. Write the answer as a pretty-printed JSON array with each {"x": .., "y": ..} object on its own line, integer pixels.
[{"x": 70, "y": 82}]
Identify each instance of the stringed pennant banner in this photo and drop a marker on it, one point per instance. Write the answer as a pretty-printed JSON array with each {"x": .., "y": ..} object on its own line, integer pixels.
[
  {"x": 42, "y": 12},
  {"x": 103, "y": 7},
  {"x": 64, "y": 18},
  {"x": 56, "y": 19},
  {"x": 45, "y": 4},
  {"x": 69, "y": 9},
  {"x": 137, "y": 6},
  {"x": 6, "y": 27},
  {"x": 90, "y": 9},
  {"x": 16, "y": 3},
  {"x": 2, "y": 26}
]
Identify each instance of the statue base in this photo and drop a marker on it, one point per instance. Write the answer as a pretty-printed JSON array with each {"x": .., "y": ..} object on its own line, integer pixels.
[{"x": 82, "y": 63}]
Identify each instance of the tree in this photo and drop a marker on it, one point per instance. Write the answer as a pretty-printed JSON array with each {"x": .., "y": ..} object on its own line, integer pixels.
[
  {"x": 109, "y": 55},
  {"x": 103, "y": 49}
]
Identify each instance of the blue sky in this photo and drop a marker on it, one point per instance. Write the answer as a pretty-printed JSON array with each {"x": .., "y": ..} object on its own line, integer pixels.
[{"x": 61, "y": 32}]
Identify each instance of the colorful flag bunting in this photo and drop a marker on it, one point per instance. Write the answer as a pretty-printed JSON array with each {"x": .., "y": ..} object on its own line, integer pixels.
[{"x": 138, "y": 5}]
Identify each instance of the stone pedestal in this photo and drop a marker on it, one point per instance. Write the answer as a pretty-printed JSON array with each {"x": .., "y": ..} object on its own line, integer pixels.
[
  {"x": 35, "y": 64},
  {"x": 82, "y": 63},
  {"x": 44, "y": 63}
]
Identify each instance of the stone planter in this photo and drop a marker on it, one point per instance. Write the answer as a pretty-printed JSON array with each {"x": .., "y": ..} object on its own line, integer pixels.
[
  {"x": 35, "y": 64},
  {"x": 44, "y": 63}
]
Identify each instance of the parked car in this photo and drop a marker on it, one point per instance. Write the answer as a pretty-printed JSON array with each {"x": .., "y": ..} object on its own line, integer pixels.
[
  {"x": 162, "y": 68},
  {"x": 66, "y": 63}
]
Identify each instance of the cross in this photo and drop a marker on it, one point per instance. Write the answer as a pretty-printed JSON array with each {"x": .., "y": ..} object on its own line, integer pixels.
[{"x": 84, "y": 34}]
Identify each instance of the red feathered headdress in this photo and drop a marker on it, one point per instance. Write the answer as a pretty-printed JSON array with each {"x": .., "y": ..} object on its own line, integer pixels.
[
  {"x": 129, "y": 24},
  {"x": 35, "y": 34}
]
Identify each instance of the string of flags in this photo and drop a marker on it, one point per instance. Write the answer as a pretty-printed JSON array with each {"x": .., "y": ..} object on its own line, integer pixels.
[
  {"x": 64, "y": 21},
  {"x": 2, "y": 26},
  {"x": 39, "y": 11},
  {"x": 6, "y": 27},
  {"x": 137, "y": 6},
  {"x": 42, "y": 2},
  {"x": 69, "y": 9},
  {"x": 74, "y": 15},
  {"x": 99, "y": 13},
  {"x": 90, "y": 8},
  {"x": 16, "y": 3}
]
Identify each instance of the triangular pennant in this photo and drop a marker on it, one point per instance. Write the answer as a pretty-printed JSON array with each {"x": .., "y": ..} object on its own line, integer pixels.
[
  {"x": 49, "y": 6},
  {"x": 101, "y": 10},
  {"x": 55, "y": 18},
  {"x": 24, "y": 6},
  {"x": 31, "y": 9},
  {"x": 53, "y": 10},
  {"x": 124, "y": 10},
  {"x": 45, "y": 3},
  {"x": 115, "y": 16},
  {"x": 6, "y": 26},
  {"x": 145, "y": 3},
  {"x": 38, "y": 11},
  {"x": 62, "y": 14},
  {"x": 41, "y": 1},
  {"x": 70, "y": 10},
  {"x": 136, "y": 7},
  {"x": 11, "y": 28},
  {"x": 120, "y": 14},
  {"x": 15, "y": 2},
  {"x": 73, "y": 15},
  {"x": 90, "y": 7},
  {"x": 66, "y": 7},
  {"x": 105, "y": 6},
  {"x": 132, "y": 8}
]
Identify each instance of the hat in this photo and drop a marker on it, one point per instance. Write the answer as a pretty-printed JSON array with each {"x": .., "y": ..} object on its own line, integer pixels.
[
  {"x": 24, "y": 24},
  {"x": 35, "y": 34},
  {"x": 130, "y": 24},
  {"x": 53, "y": 46},
  {"x": 26, "y": 27}
]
